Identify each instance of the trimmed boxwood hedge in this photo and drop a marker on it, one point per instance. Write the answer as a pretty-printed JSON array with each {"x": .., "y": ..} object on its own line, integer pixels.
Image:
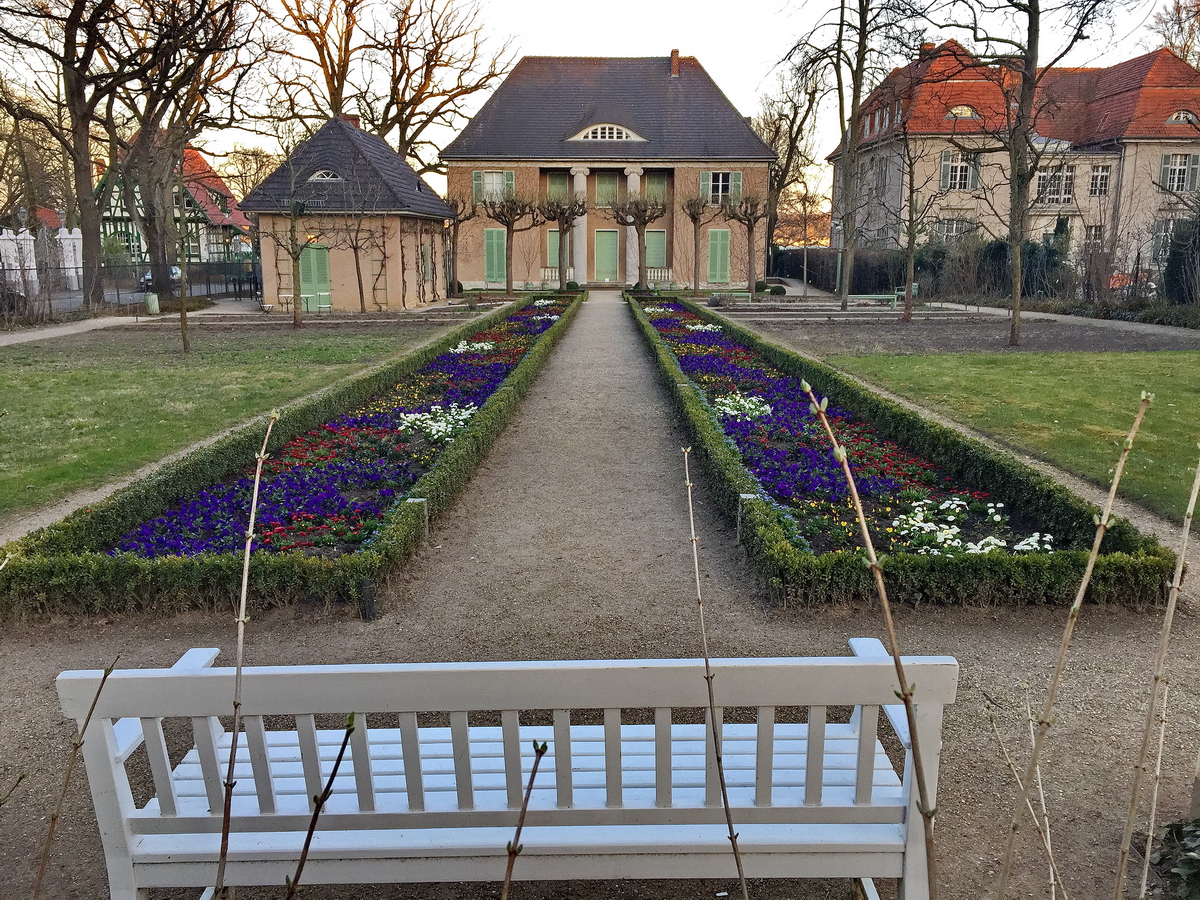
[
  {"x": 62, "y": 568},
  {"x": 1132, "y": 569}
]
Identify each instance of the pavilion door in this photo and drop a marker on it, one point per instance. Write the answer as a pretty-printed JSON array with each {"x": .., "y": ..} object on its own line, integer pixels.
[
  {"x": 606, "y": 255},
  {"x": 314, "y": 278}
]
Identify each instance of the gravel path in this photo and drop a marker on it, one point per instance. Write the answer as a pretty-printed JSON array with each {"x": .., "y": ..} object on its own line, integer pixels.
[{"x": 572, "y": 542}]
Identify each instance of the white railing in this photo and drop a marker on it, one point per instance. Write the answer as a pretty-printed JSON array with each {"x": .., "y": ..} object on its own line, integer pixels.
[
  {"x": 550, "y": 273},
  {"x": 656, "y": 275}
]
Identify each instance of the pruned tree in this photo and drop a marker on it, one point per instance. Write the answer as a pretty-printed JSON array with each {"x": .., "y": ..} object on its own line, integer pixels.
[
  {"x": 465, "y": 209},
  {"x": 516, "y": 214},
  {"x": 563, "y": 211},
  {"x": 748, "y": 210},
  {"x": 786, "y": 123},
  {"x": 699, "y": 211},
  {"x": 1176, "y": 26},
  {"x": 638, "y": 212}
]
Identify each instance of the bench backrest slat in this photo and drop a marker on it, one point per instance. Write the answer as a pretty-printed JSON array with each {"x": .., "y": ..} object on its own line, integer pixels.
[
  {"x": 712, "y": 775},
  {"x": 160, "y": 766},
  {"x": 410, "y": 751},
  {"x": 814, "y": 765},
  {"x": 864, "y": 779},
  {"x": 662, "y": 756},
  {"x": 360, "y": 752},
  {"x": 764, "y": 772},
  {"x": 310, "y": 757},
  {"x": 510, "y": 725},
  {"x": 207, "y": 730},
  {"x": 614, "y": 783},
  {"x": 563, "y": 782},
  {"x": 460, "y": 742},
  {"x": 260, "y": 763}
]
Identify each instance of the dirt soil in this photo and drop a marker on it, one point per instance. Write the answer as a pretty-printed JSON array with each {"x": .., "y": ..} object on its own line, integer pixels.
[{"x": 572, "y": 542}]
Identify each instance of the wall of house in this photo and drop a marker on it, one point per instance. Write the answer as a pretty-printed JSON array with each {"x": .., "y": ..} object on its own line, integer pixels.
[
  {"x": 390, "y": 260},
  {"x": 532, "y": 263}
]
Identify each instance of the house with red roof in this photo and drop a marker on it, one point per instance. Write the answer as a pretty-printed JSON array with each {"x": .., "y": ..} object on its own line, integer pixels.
[
  {"x": 1120, "y": 152},
  {"x": 217, "y": 229}
]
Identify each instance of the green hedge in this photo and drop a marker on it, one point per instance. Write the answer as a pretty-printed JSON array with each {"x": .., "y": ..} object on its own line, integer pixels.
[
  {"x": 1133, "y": 569},
  {"x": 62, "y": 568}
]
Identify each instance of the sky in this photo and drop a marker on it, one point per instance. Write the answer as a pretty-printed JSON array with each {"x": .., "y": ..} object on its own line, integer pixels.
[{"x": 740, "y": 44}]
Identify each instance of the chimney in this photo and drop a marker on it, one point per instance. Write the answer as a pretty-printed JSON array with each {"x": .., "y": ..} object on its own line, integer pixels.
[
  {"x": 926, "y": 51},
  {"x": 674, "y": 63},
  {"x": 351, "y": 119}
]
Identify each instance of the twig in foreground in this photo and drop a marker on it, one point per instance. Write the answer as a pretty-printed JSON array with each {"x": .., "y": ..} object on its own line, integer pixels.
[
  {"x": 76, "y": 746},
  {"x": 1160, "y": 667},
  {"x": 906, "y": 690},
  {"x": 1044, "y": 722},
  {"x": 514, "y": 846},
  {"x": 709, "y": 675},
  {"x": 1162, "y": 736},
  {"x": 293, "y": 883}
]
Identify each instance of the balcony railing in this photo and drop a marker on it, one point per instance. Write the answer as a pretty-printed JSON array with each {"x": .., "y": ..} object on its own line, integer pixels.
[
  {"x": 656, "y": 275},
  {"x": 550, "y": 273}
]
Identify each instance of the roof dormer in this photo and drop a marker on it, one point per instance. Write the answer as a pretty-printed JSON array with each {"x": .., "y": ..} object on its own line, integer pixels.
[
  {"x": 1183, "y": 117},
  {"x": 606, "y": 131},
  {"x": 962, "y": 111}
]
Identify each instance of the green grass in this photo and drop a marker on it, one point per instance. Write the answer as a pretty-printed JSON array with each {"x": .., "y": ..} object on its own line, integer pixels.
[
  {"x": 85, "y": 409},
  {"x": 1073, "y": 409}
]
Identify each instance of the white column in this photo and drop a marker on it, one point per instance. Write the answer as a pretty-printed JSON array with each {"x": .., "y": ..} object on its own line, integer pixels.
[
  {"x": 633, "y": 187},
  {"x": 579, "y": 233}
]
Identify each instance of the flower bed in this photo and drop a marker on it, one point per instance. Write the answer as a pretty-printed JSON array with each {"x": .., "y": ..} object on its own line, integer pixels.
[
  {"x": 960, "y": 523},
  {"x": 332, "y": 513}
]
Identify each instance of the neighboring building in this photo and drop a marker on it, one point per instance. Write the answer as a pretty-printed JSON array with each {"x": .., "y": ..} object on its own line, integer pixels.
[
  {"x": 216, "y": 229},
  {"x": 367, "y": 229},
  {"x": 603, "y": 128},
  {"x": 1121, "y": 153}
]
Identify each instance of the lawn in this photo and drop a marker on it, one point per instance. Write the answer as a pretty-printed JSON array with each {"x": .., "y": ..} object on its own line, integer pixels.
[
  {"x": 1073, "y": 409},
  {"x": 84, "y": 409}
]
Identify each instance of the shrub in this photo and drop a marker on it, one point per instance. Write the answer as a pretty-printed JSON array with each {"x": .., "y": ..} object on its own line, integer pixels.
[
  {"x": 778, "y": 290},
  {"x": 572, "y": 285},
  {"x": 760, "y": 287},
  {"x": 1177, "y": 860}
]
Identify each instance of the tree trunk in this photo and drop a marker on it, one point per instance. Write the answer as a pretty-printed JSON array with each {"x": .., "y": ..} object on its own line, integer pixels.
[
  {"x": 564, "y": 229},
  {"x": 508, "y": 251},
  {"x": 452, "y": 290},
  {"x": 910, "y": 273},
  {"x": 750, "y": 258},
  {"x": 181, "y": 255},
  {"x": 643, "y": 269},
  {"x": 696, "y": 258},
  {"x": 295, "y": 251},
  {"x": 362, "y": 294}
]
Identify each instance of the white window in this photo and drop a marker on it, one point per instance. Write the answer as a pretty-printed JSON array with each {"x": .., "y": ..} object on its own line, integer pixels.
[
  {"x": 960, "y": 171},
  {"x": 324, "y": 175},
  {"x": 881, "y": 176},
  {"x": 962, "y": 112},
  {"x": 492, "y": 185},
  {"x": 1093, "y": 238},
  {"x": 1179, "y": 172},
  {"x": 1099, "y": 185},
  {"x": 1056, "y": 184},
  {"x": 1160, "y": 244},
  {"x": 1182, "y": 117},
  {"x": 950, "y": 230},
  {"x": 720, "y": 186},
  {"x": 606, "y": 133}
]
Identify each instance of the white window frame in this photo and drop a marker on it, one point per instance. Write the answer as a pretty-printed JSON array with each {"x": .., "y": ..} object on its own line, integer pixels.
[
  {"x": 951, "y": 230},
  {"x": 1056, "y": 185},
  {"x": 1101, "y": 175}
]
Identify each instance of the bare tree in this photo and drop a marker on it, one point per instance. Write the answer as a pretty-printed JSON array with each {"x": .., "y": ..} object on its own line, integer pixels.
[
  {"x": 748, "y": 210},
  {"x": 516, "y": 214},
  {"x": 785, "y": 122},
  {"x": 637, "y": 211},
  {"x": 699, "y": 211},
  {"x": 1177, "y": 27},
  {"x": 464, "y": 210},
  {"x": 563, "y": 212},
  {"x": 244, "y": 168}
]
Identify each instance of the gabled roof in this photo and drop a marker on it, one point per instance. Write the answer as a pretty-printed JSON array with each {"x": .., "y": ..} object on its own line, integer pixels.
[
  {"x": 1082, "y": 106},
  {"x": 202, "y": 182},
  {"x": 546, "y": 100},
  {"x": 370, "y": 177}
]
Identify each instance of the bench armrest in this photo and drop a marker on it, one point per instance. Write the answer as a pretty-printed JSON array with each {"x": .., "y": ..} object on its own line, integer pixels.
[{"x": 872, "y": 648}]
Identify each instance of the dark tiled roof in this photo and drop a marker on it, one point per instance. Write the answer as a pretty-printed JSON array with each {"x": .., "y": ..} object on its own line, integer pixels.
[
  {"x": 372, "y": 178},
  {"x": 546, "y": 100}
]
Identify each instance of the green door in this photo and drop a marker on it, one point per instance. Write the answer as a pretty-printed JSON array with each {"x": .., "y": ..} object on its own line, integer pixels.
[
  {"x": 314, "y": 278},
  {"x": 493, "y": 254},
  {"x": 606, "y": 255},
  {"x": 656, "y": 249},
  {"x": 718, "y": 256}
]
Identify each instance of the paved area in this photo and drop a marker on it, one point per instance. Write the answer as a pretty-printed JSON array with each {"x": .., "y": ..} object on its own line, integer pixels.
[{"x": 222, "y": 307}]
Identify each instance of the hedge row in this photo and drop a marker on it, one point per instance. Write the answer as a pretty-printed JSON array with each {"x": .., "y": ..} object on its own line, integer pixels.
[
  {"x": 62, "y": 568},
  {"x": 1132, "y": 570}
]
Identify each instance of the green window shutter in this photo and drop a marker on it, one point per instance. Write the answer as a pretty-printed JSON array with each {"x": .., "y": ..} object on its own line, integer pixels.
[
  {"x": 656, "y": 186},
  {"x": 947, "y": 155},
  {"x": 706, "y": 186},
  {"x": 1193, "y": 171},
  {"x": 552, "y": 247},
  {"x": 306, "y": 271},
  {"x": 973, "y": 180},
  {"x": 510, "y": 182},
  {"x": 557, "y": 185},
  {"x": 426, "y": 262},
  {"x": 477, "y": 186},
  {"x": 606, "y": 188},
  {"x": 493, "y": 254},
  {"x": 718, "y": 256},
  {"x": 656, "y": 249},
  {"x": 1164, "y": 172},
  {"x": 735, "y": 186}
]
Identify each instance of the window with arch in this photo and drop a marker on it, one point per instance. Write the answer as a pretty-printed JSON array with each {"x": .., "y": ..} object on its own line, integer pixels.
[
  {"x": 606, "y": 132},
  {"x": 1183, "y": 117},
  {"x": 962, "y": 111},
  {"x": 324, "y": 175}
]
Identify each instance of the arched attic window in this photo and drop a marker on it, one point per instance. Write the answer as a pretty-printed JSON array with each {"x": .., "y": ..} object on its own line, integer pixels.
[
  {"x": 962, "y": 111},
  {"x": 606, "y": 132},
  {"x": 1183, "y": 117},
  {"x": 324, "y": 175}
]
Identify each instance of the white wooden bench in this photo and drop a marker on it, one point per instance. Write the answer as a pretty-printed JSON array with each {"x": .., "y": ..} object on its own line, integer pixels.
[{"x": 431, "y": 787}]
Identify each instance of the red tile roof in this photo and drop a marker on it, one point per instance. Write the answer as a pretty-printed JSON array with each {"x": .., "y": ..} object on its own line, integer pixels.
[
  {"x": 1084, "y": 106},
  {"x": 202, "y": 182}
]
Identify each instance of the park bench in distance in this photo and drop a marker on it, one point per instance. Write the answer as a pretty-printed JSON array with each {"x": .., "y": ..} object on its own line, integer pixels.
[{"x": 433, "y": 782}]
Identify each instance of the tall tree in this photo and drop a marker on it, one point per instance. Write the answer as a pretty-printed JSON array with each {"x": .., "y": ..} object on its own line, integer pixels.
[
  {"x": 516, "y": 214},
  {"x": 1176, "y": 25},
  {"x": 243, "y": 168},
  {"x": 786, "y": 122}
]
